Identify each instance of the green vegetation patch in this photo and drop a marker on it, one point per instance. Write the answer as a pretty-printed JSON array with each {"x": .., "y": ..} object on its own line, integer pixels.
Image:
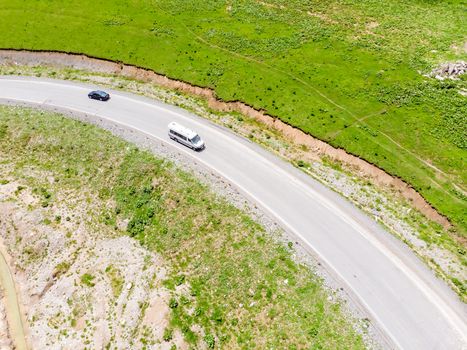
[
  {"x": 347, "y": 72},
  {"x": 116, "y": 280},
  {"x": 244, "y": 289},
  {"x": 87, "y": 279}
]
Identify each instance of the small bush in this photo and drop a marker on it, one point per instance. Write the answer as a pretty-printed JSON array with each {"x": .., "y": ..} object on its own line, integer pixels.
[
  {"x": 173, "y": 303},
  {"x": 87, "y": 280},
  {"x": 301, "y": 163},
  {"x": 136, "y": 226},
  {"x": 210, "y": 341},
  {"x": 179, "y": 280},
  {"x": 168, "y": 334}
]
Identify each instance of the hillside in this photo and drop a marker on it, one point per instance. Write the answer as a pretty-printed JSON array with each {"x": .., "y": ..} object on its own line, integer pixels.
[
  {"x": 348, "y": 72},
  {"x": 112, "y": 247}
]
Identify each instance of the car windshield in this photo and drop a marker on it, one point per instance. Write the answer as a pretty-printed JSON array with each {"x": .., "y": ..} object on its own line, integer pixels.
[
  {"x": 101, "y": 93},
  {"x": 195, "y": 139}
]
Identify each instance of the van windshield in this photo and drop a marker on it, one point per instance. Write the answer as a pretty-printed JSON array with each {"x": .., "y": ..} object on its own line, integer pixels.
[{"x": 195, "y": 139}]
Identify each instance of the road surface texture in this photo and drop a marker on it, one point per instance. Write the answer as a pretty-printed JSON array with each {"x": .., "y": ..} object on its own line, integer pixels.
[{"x": 409, "y": 305}]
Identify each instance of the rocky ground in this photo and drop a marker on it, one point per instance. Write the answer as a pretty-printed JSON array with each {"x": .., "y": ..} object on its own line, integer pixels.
[
  {"x": 81, "y": 285},
  {"x": 449, "y": 70}
]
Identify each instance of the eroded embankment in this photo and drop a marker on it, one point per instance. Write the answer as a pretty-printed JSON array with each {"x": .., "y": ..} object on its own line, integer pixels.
[{"x": 314, "y": 145}]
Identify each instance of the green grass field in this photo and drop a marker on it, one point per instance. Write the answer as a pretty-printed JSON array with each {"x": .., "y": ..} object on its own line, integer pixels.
[
  {"x": 347, "y": 72},
  {"x": 244, "y": 291}
]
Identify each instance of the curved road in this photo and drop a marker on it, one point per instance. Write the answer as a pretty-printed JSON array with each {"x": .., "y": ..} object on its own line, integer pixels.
[{"x": 406, "y": 302}]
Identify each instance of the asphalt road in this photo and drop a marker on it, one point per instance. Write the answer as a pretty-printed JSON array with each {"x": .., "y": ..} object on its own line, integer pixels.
[{"x": 407, "y": 303}]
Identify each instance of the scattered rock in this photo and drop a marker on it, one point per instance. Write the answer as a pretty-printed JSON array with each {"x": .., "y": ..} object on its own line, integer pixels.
[{"x": 449, "y": 70}]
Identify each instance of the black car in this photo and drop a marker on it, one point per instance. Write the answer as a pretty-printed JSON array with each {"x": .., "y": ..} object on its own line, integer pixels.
[{"x": 99, "y": 95}]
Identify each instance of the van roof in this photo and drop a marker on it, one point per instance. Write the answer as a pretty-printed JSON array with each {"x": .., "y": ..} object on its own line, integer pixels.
[{"x": 182, "y": 130}]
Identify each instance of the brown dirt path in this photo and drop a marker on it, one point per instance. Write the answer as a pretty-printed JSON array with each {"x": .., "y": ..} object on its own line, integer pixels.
[{"x": 16, "y": 323}]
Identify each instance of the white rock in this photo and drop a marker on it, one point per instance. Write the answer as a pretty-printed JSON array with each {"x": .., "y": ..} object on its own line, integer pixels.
[{"x": 129, "y": 285}]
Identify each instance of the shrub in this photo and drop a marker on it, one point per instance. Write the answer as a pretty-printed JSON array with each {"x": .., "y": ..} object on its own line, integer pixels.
[
  {"x": 86, "y": 279},
  {"x": 210, "y": 341},
  {"x": 179, "y": 280},
  {"x": 168, "y": 334},
  {"x": 136, "y": 226},
  {"x": 173, "y": 303}
]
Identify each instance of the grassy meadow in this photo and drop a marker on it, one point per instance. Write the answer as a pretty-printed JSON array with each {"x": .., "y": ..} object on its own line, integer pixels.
[
  {"x": 233, "y": 286},
  {"x": 348, "y": 72}
]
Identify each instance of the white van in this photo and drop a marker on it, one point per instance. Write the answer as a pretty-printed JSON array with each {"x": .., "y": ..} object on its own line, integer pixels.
[{"x": 185, "y": 136}]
